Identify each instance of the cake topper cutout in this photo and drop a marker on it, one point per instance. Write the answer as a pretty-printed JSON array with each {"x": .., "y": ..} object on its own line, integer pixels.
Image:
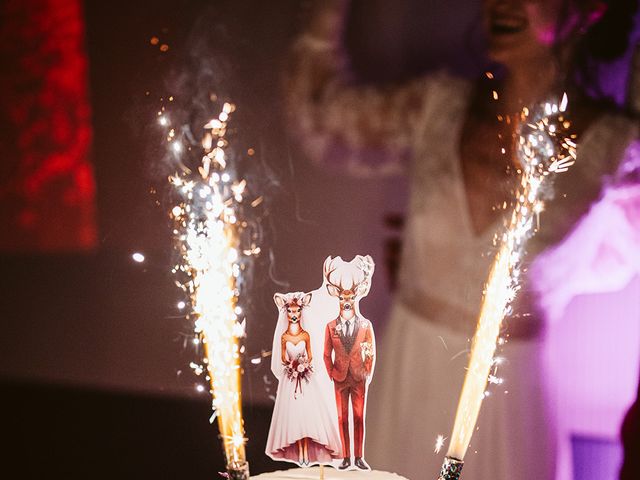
[{"x": 323, "y": 356}]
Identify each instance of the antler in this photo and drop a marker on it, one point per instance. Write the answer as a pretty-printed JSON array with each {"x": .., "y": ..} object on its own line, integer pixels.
[
  {"x": 364, "y": 283},
  {"x": 328, "y": 269},
  {"x": 366, "y": 264}
]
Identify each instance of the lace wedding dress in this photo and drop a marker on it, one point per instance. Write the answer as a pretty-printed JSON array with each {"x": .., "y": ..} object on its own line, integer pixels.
[{"x": 423, "y": 355}]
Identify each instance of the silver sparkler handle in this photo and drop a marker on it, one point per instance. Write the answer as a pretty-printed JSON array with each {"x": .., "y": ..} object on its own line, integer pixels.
[
  {"x": 451, "y": 469},
  {"x": 238, "y": 470}
]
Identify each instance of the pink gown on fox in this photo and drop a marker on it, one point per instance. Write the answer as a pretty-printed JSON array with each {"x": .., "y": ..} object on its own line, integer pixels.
[{"x": 302, "y": 412}]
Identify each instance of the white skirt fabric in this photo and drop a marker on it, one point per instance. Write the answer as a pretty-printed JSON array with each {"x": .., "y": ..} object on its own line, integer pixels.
[
  {"x": 414, "y": 396},
  {"x": 303, "y": 410}
]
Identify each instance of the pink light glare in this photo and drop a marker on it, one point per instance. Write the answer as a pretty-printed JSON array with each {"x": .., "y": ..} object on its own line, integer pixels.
[
  {"x": 601, "y": 254},
  {"x": 589, "y": 286},
  {"x": 543, "y": 20}
]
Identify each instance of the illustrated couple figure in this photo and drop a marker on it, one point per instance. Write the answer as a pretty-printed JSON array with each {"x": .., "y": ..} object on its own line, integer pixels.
[{"x": 311, "y": 421}]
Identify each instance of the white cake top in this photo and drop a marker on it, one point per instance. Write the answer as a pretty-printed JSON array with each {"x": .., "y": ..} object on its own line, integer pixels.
[{"x": 313, "y": 473}]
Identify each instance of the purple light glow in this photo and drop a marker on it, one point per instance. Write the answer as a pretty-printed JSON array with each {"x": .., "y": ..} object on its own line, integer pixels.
[
  {"x": 592, "y": 363},
  {"x": 590, "y": 289}
]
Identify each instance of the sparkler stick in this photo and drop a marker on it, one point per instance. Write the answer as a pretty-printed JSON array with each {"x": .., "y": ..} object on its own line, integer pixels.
[
  {"x": 543, "y": 148},
  {"x": 206, "y": 229}
]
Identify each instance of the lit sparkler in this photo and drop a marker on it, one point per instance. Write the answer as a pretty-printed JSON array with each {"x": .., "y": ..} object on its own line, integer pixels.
[
  {"x": 543, "y": 148},
  {"x": 207, "y": 230}
]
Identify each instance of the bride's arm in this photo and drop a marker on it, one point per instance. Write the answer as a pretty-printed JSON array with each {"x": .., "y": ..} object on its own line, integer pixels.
[
  {"x": 283, "y": 349},
  {"x": 339, "y": 122},
  {"x": 308, "y": 344}
]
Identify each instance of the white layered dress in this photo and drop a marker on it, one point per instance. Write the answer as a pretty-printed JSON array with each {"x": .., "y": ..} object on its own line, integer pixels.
[{"x": 301, "y": 412}]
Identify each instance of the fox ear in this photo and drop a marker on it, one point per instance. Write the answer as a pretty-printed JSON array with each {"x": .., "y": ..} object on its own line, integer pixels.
[
  {"x": 333, "y": 290},
  {"x": 306, "y": 300},
  {"x": 279, "y": 299}
]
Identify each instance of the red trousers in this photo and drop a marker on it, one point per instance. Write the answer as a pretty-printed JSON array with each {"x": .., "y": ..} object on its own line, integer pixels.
[{"x": 353, "y": 390}]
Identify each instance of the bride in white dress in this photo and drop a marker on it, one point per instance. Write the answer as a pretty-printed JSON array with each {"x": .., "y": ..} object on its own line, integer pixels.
[
  {"x": 304, "y": 426},
  {"x": 457, "y": 136}
]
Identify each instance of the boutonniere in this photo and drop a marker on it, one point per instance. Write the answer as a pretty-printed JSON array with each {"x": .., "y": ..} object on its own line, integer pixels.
[
  {"x": 367, "y": 350},
  {"x": 338, "y": 329}
]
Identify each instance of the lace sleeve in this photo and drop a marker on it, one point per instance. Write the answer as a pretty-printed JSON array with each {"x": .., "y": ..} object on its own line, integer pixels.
[
  {"x": 601, "y": 252},
  {"x": 363, "y": 130}
]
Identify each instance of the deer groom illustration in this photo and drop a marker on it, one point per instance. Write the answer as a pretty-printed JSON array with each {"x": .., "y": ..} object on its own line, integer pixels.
[{"x": 349, "y": 350}]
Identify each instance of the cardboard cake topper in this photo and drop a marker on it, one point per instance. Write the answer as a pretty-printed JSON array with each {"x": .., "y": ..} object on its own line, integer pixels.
[{"x": 323, "y": 356}]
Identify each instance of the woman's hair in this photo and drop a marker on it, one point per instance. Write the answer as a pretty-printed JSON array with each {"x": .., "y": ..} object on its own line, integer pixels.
[
  {"x": 608, "y": 38},
  {"x": 604, "y": 41}
]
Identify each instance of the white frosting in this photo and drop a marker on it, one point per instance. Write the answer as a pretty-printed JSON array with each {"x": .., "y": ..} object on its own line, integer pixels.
[{"x": 313, "y": 473}]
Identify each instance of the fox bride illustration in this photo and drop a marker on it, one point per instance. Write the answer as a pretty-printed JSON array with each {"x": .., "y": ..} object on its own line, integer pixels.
[{"x": 304, "y": 425}]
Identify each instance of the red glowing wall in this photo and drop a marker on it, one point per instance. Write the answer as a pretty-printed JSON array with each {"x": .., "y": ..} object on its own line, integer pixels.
[{"x": 47, "y": 187}]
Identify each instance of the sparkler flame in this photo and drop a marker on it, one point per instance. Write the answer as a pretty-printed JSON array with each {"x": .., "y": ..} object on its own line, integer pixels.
[
  {"x": 207, "y": 233},
  {"x": 543, "y": 148}
]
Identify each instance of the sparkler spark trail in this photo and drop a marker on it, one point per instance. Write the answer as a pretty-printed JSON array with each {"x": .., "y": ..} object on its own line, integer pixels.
[
  {"x": 207, "y": 228},
  {"x": 543, "y": 148}
]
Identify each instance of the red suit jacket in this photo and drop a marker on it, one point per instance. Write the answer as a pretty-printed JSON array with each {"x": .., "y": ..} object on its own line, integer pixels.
[{"x": 344, "y": 361}]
